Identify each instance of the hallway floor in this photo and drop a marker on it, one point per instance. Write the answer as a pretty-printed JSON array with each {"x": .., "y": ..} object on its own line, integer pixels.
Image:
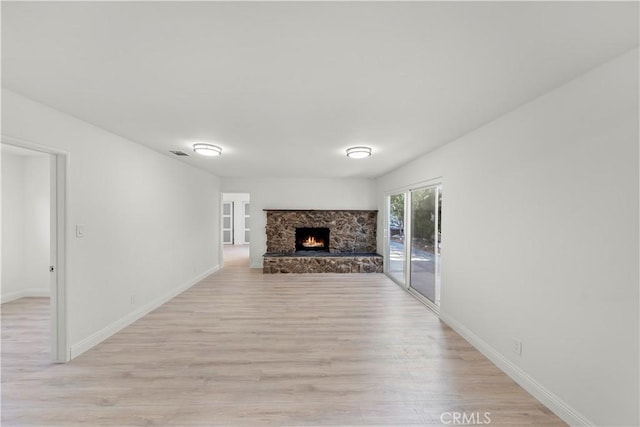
[{"x": 243, "y": 348}]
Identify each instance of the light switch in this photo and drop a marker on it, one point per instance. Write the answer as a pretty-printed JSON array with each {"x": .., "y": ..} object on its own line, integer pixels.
[{"x": 79, "y": 230}]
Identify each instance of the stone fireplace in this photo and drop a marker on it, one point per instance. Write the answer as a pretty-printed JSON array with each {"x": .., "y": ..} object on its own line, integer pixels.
[{"x": 321, "y": 241}]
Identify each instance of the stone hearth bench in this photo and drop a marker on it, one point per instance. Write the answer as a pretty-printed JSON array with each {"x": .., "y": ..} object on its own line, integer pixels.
[{"x": 322, "y": 262}]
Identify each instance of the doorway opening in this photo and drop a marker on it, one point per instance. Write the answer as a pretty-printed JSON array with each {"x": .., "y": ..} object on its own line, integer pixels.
[
  {"x": 236, "y": 226},
  {"x": 33, "y": 259}
]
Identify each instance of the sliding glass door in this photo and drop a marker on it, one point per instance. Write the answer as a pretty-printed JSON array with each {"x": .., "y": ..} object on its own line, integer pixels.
[
  {"x": 414, "y": 260},
  {"x": 426, "y": 204},
  {"x": 395, "y": 248}
]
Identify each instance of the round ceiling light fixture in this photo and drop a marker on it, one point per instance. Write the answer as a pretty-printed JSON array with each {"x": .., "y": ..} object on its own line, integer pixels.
[
  {"x": 207, "y": 149},
  {"x": 358, "y": 152}
]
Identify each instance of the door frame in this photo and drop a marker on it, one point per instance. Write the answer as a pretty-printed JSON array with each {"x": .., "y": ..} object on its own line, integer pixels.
[{"x": 59, "y": 166}]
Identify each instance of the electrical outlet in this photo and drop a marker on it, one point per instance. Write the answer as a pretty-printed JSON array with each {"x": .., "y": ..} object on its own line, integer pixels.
[
  {"x": 133, "y": 299},
  {"x": 516, "y": 346}
]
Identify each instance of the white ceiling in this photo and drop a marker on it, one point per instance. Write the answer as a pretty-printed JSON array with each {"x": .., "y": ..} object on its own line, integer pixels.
[{"x": 286, "y": 87}]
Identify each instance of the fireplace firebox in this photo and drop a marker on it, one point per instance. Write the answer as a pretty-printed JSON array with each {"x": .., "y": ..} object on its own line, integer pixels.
[{"x": 312, "y": 239}]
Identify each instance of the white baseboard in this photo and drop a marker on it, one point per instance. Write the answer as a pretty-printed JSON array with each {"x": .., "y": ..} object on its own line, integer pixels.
[
  {"x": 537, "y": 390},
  {"x": 24, "y": 293},
  {"x": 91, "y": 341}
]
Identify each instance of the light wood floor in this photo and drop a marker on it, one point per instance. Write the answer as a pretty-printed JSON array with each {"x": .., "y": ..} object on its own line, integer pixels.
[{"x": 242, "y": 348}]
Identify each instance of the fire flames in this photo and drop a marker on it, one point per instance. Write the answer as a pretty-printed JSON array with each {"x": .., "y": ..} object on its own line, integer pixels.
[{"x": 311, "y": 242}]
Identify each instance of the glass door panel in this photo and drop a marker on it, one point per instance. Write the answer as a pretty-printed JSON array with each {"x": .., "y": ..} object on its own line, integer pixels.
[
  {"x": 395, "y": 233},
  {"x": 227, "y": 223},
  {"x": 425, "y": 242},
  {"x": 247, "y": 217}
]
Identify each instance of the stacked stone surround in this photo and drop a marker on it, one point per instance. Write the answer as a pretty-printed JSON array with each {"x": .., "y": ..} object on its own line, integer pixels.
[
  {"x": 322, "y": 264},
  {"x": 352, "y": 242},
  {"x": 349, "y": 231}
]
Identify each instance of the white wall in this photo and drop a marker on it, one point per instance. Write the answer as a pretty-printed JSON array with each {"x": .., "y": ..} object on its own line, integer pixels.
[
  {"x": 238, "y": 200},
  {"x": 13, "y": 280},
  {"x": 25, "y": 226},
  {"x": 37, "y": 224},
  {"x": 152, "y": 222},
  {"x": 540, "y": 242},
  {"x": 280, "y": 193}
]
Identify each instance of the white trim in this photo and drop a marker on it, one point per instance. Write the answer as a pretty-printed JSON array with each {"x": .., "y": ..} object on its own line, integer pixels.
[
  {"x": 59, "y": 182},
  {"x": 25, "y": 293},
  {"x": 396, "y": 281},
  {"x": 426, "y": 183},
  {"x": 94, "y": 339},
  {"x": 408, "y": 231},
  {"x": 18, "y": 142},
  {"x": 424, "y": 300},
  {"x": 417, "y": 295},
  {"x": 220, "y": 243},
  {"x": 568, "y": 414}
]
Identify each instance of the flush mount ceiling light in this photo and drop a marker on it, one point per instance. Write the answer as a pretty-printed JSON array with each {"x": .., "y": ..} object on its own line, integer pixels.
[
  {"x": 207, "y": 149},
  {"x": 358, "y": 152}
]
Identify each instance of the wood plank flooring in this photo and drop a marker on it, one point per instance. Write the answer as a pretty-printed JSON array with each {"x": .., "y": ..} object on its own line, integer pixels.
[{"x": 242, "y": 348}]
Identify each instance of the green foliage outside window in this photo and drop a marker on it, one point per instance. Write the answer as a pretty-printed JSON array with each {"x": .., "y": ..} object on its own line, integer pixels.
[
  {"x": 397, "y": 208},
  {"x": 423, "y": 214}
]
